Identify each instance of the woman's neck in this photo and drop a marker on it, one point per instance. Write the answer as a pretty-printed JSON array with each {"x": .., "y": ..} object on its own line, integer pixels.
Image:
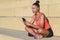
[{"x": 37, "y": 13}]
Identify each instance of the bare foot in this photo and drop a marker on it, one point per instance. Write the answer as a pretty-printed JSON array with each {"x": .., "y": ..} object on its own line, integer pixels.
[{"x": 36, "y": 36}]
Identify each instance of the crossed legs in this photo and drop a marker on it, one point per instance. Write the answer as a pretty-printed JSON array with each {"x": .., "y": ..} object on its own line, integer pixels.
[{"x": 40, "y": 31}]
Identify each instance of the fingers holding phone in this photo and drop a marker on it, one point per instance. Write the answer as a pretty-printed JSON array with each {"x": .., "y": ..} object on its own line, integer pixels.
[{"x": 25, "y": 22}]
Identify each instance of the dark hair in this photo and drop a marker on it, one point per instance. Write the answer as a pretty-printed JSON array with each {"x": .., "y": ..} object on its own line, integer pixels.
[{"x": 37, "y": 3}]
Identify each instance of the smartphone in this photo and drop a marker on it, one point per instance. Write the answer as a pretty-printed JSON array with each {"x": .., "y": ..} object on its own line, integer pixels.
[{"x": 23, "y": 19}]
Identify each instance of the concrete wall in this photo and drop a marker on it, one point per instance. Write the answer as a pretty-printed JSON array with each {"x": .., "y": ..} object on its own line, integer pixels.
[{"x": 11, "y": 12}]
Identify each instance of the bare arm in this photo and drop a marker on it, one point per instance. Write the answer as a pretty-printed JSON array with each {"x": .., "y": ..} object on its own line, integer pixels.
[
  {"x": 41, "y": 25},
  {"x": 33, "y": 19},
  {"x": 35, "y": 26},
  {"x": 42, "y": 20}
]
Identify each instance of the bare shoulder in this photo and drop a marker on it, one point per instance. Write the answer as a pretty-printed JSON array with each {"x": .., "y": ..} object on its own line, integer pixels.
[{"x": 42, "y": 13}]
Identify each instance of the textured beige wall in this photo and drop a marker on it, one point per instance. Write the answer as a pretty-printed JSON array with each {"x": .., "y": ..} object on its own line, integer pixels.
[
  {"x": 52, "y": 9},
  {"x": 18, "y": 8}
]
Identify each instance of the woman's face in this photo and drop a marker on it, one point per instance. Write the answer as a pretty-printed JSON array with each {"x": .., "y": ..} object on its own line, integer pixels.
[{"x": 35, "y": 9}]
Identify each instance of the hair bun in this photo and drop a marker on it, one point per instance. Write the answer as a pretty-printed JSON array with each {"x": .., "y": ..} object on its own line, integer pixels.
[{"x": 37, "y": 1}]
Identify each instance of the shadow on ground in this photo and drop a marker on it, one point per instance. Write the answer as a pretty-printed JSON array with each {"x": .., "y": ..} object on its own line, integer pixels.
[
  {"x": 22, "y": 34},
  {"x": 15, "y": 33}
]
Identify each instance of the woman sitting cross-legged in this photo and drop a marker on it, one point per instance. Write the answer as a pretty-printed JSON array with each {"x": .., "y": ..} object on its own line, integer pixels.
[{"x": 39, "y": 24}]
